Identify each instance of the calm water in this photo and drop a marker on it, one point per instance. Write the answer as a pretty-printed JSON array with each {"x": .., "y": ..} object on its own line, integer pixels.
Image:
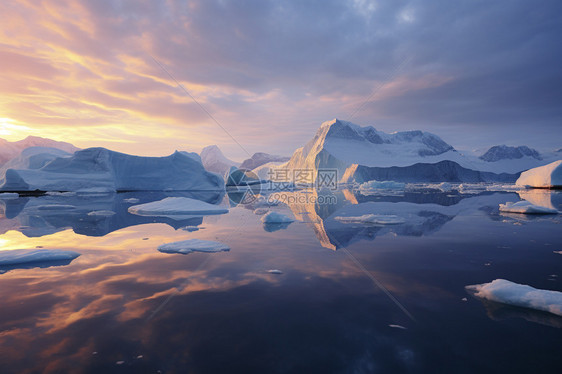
[{"x": 122, "y": 306}]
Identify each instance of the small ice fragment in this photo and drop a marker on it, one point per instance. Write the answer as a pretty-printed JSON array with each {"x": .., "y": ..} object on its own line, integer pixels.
[
  {"x": 190, "y": 228},
  {"x": 464, "y": 299},
  {"x": 94, "y": 353},
  {"x": 145, "y": 238},
  {"x": 120, "y": 362},
  {"x": 101, "y": 213},
  {"x": 139, "y": 357},
  {"x": 398, "y": 327},
  {"x": 557, "y": 252},
  {"x": 131, "y": 200},
  {"x": 275, "y": 271},
  {"x": 487, "y": 264}
]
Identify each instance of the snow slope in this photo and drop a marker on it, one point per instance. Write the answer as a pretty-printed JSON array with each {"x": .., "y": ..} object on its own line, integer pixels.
[
  {"x": 99, "y": 169},
  {"x": 214, "y": 160},
  {"x": 363, "y": 153},
  {"x": 547, "y": 176},
  {"x": 9, "y": 150}
]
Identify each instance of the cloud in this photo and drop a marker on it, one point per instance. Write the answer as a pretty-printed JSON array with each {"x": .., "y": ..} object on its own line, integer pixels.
[{"x": 267, "y": 66}]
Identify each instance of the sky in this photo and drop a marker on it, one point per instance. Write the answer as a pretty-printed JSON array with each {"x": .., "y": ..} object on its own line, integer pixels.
[{"x": 262, "y": 75}]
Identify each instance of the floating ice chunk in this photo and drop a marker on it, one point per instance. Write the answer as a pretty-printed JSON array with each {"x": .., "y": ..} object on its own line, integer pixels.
[
  {"x": 379, "y": 219},
  {"x": 23, "y": 256},
  {"x": 275, "y": 271},
  {"x": 132, "y": 200},
  {"x": 558, "y": 252},
  {"x": 525, "y": 207},
  {"x": 193, "y": 245},
  {"x": 398, "y": 327},
  {"x": 176, "y": 206},
  {"x": 101, "y": 213},
  {"x": 9, "y": 195},
  {"x": 547, "y": 176},
  {"x": 274, "y": 217},
  {"x": 374, "y": 185},
  {"x": 520, "y": 295},
  {"x": 55, "y": 207},
  {"x": 57, "y": 193}
]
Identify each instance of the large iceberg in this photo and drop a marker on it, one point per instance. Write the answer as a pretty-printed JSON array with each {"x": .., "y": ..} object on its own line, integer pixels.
[
  {"x": 548, "y": 176},
  {"x": 360, "y": 154},
  {"x": 520, "y": 295},
  {"x": 99, "y": 169}
]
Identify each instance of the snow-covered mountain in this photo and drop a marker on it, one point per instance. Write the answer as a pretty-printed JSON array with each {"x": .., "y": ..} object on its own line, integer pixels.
[
  {"x": 260, "y": 158},
  {"x": 99, "y": 169},
  {"x": 9, "y": 150},
  {"x": 363, "y": 153},
  {"x": 504, "y": 152},
  {"x": 214, "y": 160}
]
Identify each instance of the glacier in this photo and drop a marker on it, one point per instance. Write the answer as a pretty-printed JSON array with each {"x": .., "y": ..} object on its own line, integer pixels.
[{"x": 99, "y": 170}]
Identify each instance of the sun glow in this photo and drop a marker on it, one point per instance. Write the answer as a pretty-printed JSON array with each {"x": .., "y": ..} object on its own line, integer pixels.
[{"x": 10, "y": 130}]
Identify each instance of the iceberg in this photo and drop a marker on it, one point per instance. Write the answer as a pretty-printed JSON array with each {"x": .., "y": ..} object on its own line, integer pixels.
[
  {"x": 172, "y": 206},
  {"x": 525, "y": 207},
  {"x": 99, "y": 169},
  {"x": 378, "y": 219},
  {"x": 214, "y": 160},
  {"x": 258, "y": 159},
  {"x": 547, "y": 176},
  {"x": 193, "y": 245},
  {"x": 25, "y": 256},
  {"x": 360, "y": 154},
  {"x": 274, "y": 217},
  {"x": 524, "y": 296}
]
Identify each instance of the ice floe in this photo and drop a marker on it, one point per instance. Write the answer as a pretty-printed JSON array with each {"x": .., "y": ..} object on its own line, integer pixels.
[
  {"x": 193, "y": 245},
  {"x": 525, "y": 207},
  {"x": 171, "y": 206},
  {"x": 520, "y": 295},
  {"x": 24, "y": 256}
]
